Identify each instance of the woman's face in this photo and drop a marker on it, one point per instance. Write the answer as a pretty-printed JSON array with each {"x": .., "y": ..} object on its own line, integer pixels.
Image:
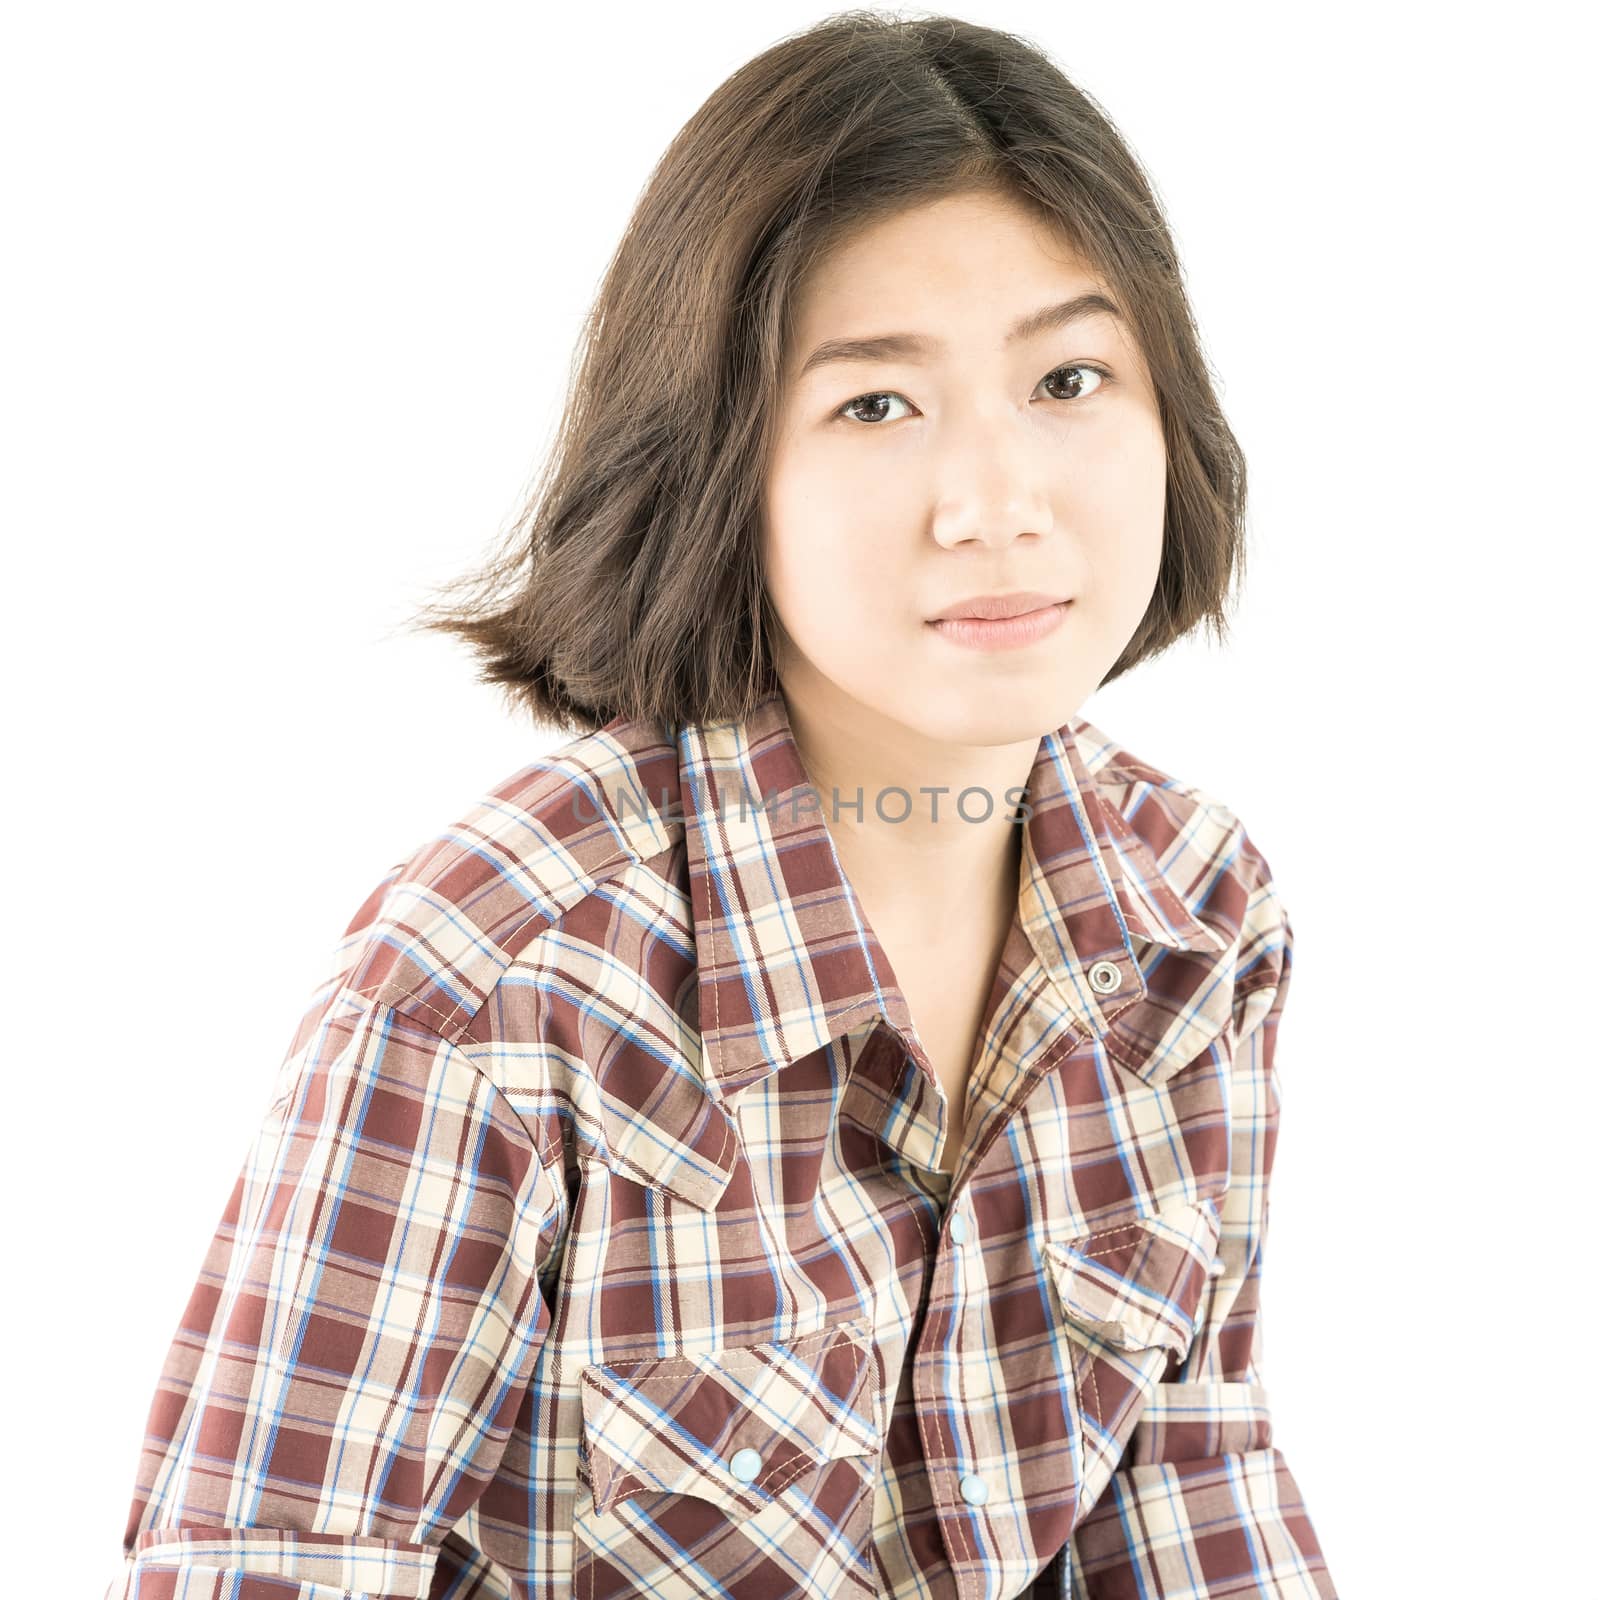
[{"x": 980, "y": 459}]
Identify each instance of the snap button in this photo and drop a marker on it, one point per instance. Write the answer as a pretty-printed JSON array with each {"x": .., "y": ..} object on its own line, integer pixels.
[
  {"x": 745, "y": 1466},
  {"x": 974, "y": 1489},
  {"x": 1105, "y": 977},
  {"x": 958, "y": 1227}
]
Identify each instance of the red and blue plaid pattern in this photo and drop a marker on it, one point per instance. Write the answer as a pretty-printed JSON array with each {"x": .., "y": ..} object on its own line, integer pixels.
[{"x": 595, "y": 1240}]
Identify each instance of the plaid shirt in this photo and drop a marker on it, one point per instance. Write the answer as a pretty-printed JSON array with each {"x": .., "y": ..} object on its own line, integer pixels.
[{"x": 595, "y": 1240}]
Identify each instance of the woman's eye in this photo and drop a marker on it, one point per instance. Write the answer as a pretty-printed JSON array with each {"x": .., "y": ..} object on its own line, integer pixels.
[
  {"x": 1072, "y": 373},
  {"x": 1076, "y": 385},
  {"x": 872, "y": 402}
]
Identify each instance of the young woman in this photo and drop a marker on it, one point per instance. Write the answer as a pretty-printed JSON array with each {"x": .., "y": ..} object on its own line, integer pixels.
[{"x": 809, "y": 1134}]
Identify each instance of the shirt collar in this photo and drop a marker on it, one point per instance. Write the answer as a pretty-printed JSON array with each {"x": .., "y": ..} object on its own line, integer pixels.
[{"x": 787, "y": 961}]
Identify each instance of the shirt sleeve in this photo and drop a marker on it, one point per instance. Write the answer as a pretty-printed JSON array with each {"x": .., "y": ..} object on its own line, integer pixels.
[
  {"x": 1204, "y": 1504},
  {"x": 352, "y": 1359}
]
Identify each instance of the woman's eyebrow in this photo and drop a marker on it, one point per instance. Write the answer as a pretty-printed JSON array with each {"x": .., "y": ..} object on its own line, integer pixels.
[{"x": 916, "y": 346}]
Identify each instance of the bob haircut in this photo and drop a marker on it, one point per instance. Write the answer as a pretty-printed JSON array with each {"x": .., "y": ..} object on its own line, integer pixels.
[{"x": 632, "y": 582}]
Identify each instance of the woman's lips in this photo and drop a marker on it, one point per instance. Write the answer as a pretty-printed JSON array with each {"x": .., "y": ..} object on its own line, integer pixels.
[{"x": 1001, "y": 633}]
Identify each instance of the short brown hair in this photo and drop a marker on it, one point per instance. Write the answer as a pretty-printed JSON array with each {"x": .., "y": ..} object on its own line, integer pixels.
[{"x": 632, "y": 582}]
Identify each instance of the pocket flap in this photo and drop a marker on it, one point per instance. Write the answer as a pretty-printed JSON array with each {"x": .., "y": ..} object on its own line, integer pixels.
[
  {"x": 1139, "y": 1284},
  {"x": 675, "y": 1424}
]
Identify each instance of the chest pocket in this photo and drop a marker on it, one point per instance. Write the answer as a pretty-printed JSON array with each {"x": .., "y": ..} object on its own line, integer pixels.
[
  {"x": 746, "y": 1470},
  {"x": 1130, "y": 1297}
]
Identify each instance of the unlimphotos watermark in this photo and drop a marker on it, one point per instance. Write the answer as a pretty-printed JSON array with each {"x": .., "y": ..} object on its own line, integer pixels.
[{"x": 805, "y": 799}]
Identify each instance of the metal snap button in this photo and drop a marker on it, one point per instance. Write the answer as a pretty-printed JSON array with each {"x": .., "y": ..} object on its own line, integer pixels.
[
  {"x": 974, "y": 1489},
  {"x": 745, "y": 1466},
  {"x": 1105, "y": 977}
]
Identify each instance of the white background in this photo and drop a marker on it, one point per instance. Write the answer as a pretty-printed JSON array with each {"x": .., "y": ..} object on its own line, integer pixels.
[{"x": 291, "y": 295}]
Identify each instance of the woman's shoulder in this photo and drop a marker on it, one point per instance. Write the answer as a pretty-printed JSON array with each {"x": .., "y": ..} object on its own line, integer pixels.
[
  {"x": 439, "y": 929},
  {"x": 1159, "y": 804},
  {"x": 1201, "y": 846}
]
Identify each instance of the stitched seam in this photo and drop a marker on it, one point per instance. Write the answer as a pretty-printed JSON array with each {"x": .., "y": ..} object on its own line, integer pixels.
[
  {"x": 651, "y": 1178},
  {"x": 1172, "y": 1339},
  {"x": 1106, "y": 1233},
  {"x": 945, "y": 1440},
  {"x": 914, "y": 1196},
  {"x": 1098, "y": 1403},
  {"x": 544, "y": 1152},
  {"x": 937, "y": 1420},
  {"x": 726, "y": 1139},
  {"x": 499, "y": 941},
  {"x": 803, "y": 1461},
  {"x": 1141, "y": 1067},
  {"x": 628, "y": 858},
  {"x": 971, "y": 1158},
  {"x": 609, "y": 870},
  {"x": 866, "y": 1370},
  {"x": 1081, "y": 1355},
  {"x": 371, "y": 992},
  {"x": 677, "y": 1364}
]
